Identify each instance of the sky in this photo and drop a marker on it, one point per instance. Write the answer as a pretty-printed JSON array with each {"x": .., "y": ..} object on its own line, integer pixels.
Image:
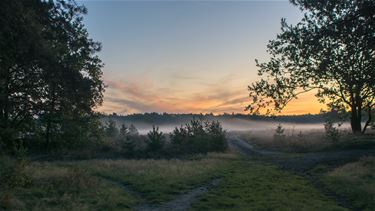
[{"x": 186, "y": 56}]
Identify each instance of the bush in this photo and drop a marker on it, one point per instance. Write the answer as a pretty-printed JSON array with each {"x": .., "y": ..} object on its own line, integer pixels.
[
  {"x": 279, "y": 133},
  {"x": 111, "y": 129},
  {"x": 155, "y": 139},
  {"x": 199, "y": 137},
  {"x": 12, "y": 175},
  {"x": 216, "y": 133},
  {"x": 332, "y": 133}
]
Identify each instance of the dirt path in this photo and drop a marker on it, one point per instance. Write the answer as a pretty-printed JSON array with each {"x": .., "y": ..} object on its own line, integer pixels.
[
  {"x": 301, "y": 162},
  {"x": 248, "y": 150},
  {"x": 304, "y": 162},
  {"x": 181, "y": 202},
  {"x": 123, "y": 185}
]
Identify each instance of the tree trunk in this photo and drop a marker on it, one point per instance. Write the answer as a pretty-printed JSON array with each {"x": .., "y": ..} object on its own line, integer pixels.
[
  {"x": 5, "y": 99},
  {"x": 368, "y": 120},
  {"x": 355, "y": 120},
  {"x": 48, "y": 133},
  {"x": 4, "y": 107},
  {"x": 50, "y": 117}
]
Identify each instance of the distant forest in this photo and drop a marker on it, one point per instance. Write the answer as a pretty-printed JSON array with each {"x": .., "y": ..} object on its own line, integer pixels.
[{"x": 168, "y": 118}]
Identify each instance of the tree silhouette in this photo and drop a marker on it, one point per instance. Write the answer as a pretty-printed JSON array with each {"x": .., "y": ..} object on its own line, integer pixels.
[
  {"x": 331, "y": 50},
  {"x": 50, "y": 73},
  {"x": 22, "y": 53},
  {"x": 155, "y": 139}
]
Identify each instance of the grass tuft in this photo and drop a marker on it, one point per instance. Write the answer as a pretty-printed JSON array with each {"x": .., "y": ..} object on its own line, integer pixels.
[{"x": 355, "y": 181}]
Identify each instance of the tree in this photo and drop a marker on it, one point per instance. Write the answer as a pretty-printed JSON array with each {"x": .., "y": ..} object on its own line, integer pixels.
[
  {"x": 49, "y": 69},
  {"x": 279, "y": 133},
  {"x": 331, "y": 50},
  {"x": 198, "y": 136},
  {"x": 217, "y": 136},
  {"x": 23, "y": 53},
  {"x": 155, "y": 139},
  {"x": 111, "y": 129},
  {"x": 133, "y": 130},
  {"x": 124, "y": 131},
  {"x": 73, "y": 84}
]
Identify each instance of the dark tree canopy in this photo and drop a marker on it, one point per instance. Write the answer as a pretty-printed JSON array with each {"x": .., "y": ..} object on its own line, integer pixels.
[
  {"x": 51, "y": 77},
  {"x": 331, "y": 50}
]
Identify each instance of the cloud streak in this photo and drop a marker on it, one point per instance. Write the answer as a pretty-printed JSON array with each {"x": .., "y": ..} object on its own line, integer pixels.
[
  {"x": 220, "y": 96},
  {"x": 140, "y": 96}
]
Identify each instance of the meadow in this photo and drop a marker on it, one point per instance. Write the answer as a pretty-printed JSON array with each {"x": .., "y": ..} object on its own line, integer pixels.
[{"x": 213, "y": 181}]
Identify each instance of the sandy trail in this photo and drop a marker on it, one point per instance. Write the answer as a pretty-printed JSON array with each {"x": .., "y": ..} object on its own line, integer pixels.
[
  {"x": 301, "y": 162},
  {"x": 304, "y": 162},
  {"x": 181, "y": 202}
]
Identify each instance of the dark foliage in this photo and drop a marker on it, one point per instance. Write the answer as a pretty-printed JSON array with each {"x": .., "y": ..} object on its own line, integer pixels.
[
  {"x": 199, "y": 137},
  {"x": 50, "y": 76},
  {"x": 279, "y": 133},
  {"x": 155, "y": 140},
  {"x": 170, "y": 118},
  {"x": 331, "y": 51},
  {"x": 194, "y": 138},
  {"x": 111, "y": 129}
]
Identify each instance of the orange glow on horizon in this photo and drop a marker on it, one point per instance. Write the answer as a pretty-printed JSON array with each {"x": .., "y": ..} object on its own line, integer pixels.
[{"x": 305, "y": 104}]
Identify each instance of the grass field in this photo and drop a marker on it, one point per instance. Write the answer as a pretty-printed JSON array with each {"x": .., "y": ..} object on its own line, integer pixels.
[
  {"x": 99, "y": 184},
  {"x": 253, "y": 186},
  {"x": 306, "y": 141},
  {"x": 160, "y": 180},
  {"x": 252, "y": 183},
  {"x": 55, "y": 186},
  {"x": 355, "y": 181},
  {"x": 124, "y": 184}
]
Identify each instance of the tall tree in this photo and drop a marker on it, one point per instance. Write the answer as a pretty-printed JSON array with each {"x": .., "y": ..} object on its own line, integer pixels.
[
  {"x": 73, "y": 81},
  {"x": 48, "y": 67},
  {"x": 331, "y": 50},
  {"x": 22, "y": 54}
]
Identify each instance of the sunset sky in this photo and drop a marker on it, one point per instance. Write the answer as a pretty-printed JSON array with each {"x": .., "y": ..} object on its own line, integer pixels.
[{"x": 185, "y": 57}]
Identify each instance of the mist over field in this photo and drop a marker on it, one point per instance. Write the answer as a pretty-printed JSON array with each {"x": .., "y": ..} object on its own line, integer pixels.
[
  {"x": 291, "y": 124},
  {"x": 246, "y": 125},
  {"x": 237, "y": 125}
]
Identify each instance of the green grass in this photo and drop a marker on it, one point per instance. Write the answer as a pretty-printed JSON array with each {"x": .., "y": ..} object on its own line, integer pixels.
[
  {"x": 355, "y": 181},
  {"x": 56, "y": 187},
  {"x": 308, "y": 141},
  {"x": 160, "y": 180},
  {"x": 97, "y": 185},
  {"x": 253, "y": 186}
]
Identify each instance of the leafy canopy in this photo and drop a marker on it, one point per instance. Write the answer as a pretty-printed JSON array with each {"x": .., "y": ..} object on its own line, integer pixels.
[{"x": 330, "y": 50}]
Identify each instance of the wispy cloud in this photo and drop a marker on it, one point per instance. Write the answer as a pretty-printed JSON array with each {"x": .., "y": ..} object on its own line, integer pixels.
[
  {"x": 140, "y": 96},
  {"x": 222, "y": 95}
]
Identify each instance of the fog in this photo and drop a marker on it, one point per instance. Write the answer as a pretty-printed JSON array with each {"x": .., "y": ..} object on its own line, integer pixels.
[{"x": 239, "y": 125}]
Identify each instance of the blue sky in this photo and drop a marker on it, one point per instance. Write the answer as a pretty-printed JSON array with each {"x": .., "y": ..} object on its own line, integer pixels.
[{"x": 184, "y": 56}]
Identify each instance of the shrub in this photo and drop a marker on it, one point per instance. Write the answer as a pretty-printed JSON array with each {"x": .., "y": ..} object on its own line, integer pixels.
[
  {"x": 199, "y": 137},
  {"x": 279, "y": 133},
  {"x": 332, "y": 133},
  {"x": 12, "y": 175},
  {"x": 133, "y": 130},
  {"x": 124, "y": 131},
  {"x": 111, "y": 129},
  {"x": 216, "y": 133},
  {"x": 155, "y": 139}
]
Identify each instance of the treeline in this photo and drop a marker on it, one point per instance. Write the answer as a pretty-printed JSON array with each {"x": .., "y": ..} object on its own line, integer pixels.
[
  {"x": 50, "y": 77},
  {"x": 195, "y": 137},
  {"x": 167, "y": 118}
]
